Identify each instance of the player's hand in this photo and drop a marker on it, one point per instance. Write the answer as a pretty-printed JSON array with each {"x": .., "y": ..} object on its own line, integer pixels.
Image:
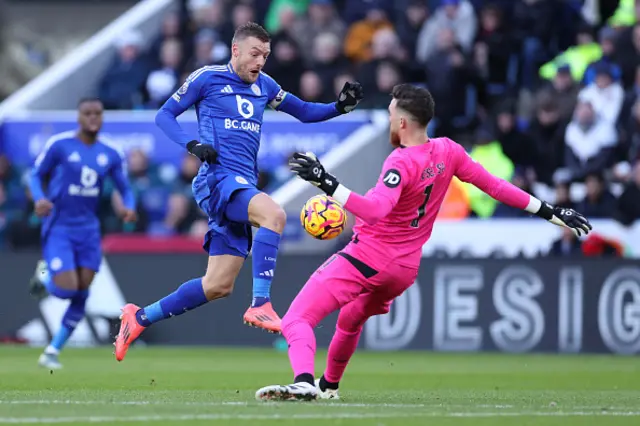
[
  {"x": 129, "y": 216},
  {"x": 349, "y": 97},
  {"x": 571, "y": 219},
  {"x": 43, "y": 207},
  {"x": 308, "y": 167},
  {"x": 205, "y": 152}
]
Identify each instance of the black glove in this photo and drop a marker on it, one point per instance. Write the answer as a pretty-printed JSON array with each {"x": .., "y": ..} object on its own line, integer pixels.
[
  {"x": 308, "y": 168},
  {"x": 205, "y": 152},
  {"x": 349, "y": 97},
  {"x": 568, "y": 218}
]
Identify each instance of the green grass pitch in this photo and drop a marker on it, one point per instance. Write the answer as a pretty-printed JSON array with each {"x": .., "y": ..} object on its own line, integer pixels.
[{"x": 211, "y": 386}]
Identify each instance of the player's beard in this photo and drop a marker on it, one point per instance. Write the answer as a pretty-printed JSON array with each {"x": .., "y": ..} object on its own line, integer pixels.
[{"x": 394, "y": 138}]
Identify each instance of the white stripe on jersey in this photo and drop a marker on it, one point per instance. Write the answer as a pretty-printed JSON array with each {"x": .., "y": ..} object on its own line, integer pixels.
[
  {"x": 53, "y": 139},
  {"x": 212, "y": 68}
]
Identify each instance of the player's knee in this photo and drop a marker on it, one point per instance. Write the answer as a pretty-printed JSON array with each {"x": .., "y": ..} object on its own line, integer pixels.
[
  {"x": 275, "y": 220},
  {"x": 217, "y": 288}
]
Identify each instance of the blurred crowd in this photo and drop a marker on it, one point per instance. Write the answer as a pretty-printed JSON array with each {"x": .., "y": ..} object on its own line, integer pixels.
[{"x": 544, "y": 93}]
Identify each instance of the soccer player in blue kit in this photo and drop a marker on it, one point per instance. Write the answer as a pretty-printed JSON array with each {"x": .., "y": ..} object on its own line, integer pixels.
[
  {"x": 74, "y": 166},
  {"x": 230, "y": 101}
]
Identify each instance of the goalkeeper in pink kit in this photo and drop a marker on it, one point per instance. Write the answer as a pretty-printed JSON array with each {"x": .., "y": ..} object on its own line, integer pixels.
[{"x": 394, "y": 221}]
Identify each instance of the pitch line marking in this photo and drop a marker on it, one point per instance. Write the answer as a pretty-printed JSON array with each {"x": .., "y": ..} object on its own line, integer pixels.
[{"x": 213, "y": 417}]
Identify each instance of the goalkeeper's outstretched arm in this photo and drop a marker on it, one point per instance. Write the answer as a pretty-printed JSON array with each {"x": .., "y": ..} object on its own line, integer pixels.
[{"x": 467, "y": 170}]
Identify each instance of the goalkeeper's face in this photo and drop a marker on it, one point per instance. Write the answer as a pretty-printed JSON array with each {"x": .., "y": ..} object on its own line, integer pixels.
[
  {"x": 394, "y": 124},
  {"x": 250, "y": 55}
]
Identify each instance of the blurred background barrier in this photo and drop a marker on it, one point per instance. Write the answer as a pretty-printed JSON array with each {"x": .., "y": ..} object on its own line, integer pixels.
[{"x": 463, "y": 305}]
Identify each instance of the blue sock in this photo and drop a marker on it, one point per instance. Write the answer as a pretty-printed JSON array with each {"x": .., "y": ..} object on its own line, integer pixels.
[
  {"x": 188, "y": 296},
  {"x": 71, "y": 319},
  {"x": 265, "y": 251}
]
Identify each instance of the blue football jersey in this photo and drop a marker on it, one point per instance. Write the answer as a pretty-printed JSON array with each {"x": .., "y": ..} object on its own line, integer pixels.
[
  {"x": 75, "y": 173},
  {"x": 230, "y": 113}
]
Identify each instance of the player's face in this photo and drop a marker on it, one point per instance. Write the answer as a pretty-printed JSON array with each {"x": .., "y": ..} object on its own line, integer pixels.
[
  {"x": 90, "y": 116},
  {"x": 250, "y": 56},
  {"x": 394, "y": 124}
]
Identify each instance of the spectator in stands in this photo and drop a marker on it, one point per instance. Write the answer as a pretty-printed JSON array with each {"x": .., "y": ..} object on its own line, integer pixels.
[
  {"x": 534, "y": 24},
  {"x": 241, "y": 13},
  {"x": 208, "y": 50},
  {"x": 547, "y": 132},
  {"x": 311, "y": 88},
  {"x": 207, "y": 14},
  {"x": 564, "y": 90},
  {"x": 628, "y": 53},
  {"x": 447, "y": 77},
  {"x": 488, "y": 152},
  {"x": 563, "y": 196},
  {"x": 590, "y": 142},
  {"x": 385, "y": 47},
  {"x": 516, "y": 145},
  {"x": 182, "y": 210},
  {"x": 321, "y": 18},
  {"x": 409, "y": 23},
  {"x": 327, "y": 59},
  {"x": 628, "y": 205},
  {"x": 171, "y": 29},
  {"x": 279, "y": 9},
  {"x": 604, "y": 94},
  {"x": 630, "y": 98},
  {"x": 608, "y": 47},
  {"x": 359, "y": 38},
  {"x": 492, "y": 49},
  {"x": 165, "y": 80},
  {"x": 386, "y": 74},
  {"x": 121, "y": 84},
  {"x": 566, "y": 246},
  {"x": 356, "y": 10},
  {"x": 285, "y": 64},
  {"x": 455, "y": 15},
  {"x": 598, "y": 202}
]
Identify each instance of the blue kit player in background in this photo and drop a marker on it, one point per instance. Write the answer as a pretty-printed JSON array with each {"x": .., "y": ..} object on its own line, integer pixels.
[
  {"x": 73, "y": 167},
  {"x": 230, "y": 101}
]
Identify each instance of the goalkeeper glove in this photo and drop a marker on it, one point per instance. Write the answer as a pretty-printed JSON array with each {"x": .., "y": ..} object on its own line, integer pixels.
[
  {"x": 567, "y": 218},
  {"x": 308, "y": 167},
  {"x": 205, "y": 152},
  {"x": 349, "y": 97}
]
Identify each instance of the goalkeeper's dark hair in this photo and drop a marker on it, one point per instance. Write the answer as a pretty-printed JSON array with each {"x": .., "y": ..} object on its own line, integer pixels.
[
  {"x": 88, "y": 99},
  {"x": 251, "y": 29},
  {"x": 417, "y": 101}
]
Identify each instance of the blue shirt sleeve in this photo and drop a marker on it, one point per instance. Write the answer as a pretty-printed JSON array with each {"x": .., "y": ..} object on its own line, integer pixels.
[
  {"x": 43, "y": 166},
  {"x": 118, "y": 174},
  {"x": 187, "y": 95},
  {"x": 307, "y": 112}
]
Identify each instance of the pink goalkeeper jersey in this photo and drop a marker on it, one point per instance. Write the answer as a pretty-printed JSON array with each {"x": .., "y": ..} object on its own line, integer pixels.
[{"x": 396, "y": 217}]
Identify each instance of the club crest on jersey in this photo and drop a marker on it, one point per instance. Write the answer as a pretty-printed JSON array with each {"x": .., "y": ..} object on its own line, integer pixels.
[
  {"x": 183, "y": 89},
  {"x": 102, "y": 160},
  {"x": 256, "y": 89},
  {"x": 391, "y": 178}
]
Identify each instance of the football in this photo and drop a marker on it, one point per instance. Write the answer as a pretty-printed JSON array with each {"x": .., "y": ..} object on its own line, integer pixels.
[{"x": 323, "y": 217}]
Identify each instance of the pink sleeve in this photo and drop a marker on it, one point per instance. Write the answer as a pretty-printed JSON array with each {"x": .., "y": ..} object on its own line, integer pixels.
[
  {"x": 379, "y": 202},
  {"x": 470, "y": 171}
]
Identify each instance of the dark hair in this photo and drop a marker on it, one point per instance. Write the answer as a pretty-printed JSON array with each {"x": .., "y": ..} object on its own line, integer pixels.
[
  {"x": 415, "y": 100},
  {"x": 251, "y": 29},
  {"x": 88, "y": 99}
]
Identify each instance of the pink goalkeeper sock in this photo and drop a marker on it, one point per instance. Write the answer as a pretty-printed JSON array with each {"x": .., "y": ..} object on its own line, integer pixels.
[
  {"x": 342, "y": 347},
  {"x": 302, "y": 346}
]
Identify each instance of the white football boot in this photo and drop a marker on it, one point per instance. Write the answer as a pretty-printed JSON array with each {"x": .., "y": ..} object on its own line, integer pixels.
[
  {"x": 49, "y": 361},
  {"x": 326, "y": 394},
  {"x": 295, "y": 392}
]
